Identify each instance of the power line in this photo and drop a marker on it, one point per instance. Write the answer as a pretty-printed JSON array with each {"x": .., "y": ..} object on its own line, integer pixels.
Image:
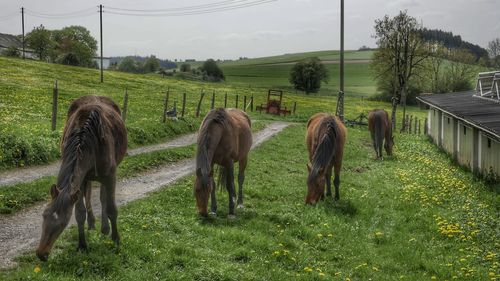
[
  {"x": 195, "y": 12},
  {"x": 62, "y": 17},
  {"x": 9, "y": 16},
  {"x": 61, "y": 14},
  {"x": 186, "y": 8}
]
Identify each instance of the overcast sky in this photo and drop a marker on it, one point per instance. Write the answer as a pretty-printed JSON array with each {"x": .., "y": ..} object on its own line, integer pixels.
[{"x": 283, "y": 26}]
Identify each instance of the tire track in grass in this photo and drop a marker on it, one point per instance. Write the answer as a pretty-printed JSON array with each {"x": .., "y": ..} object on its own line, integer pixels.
[{"x": 21, "y": 232}]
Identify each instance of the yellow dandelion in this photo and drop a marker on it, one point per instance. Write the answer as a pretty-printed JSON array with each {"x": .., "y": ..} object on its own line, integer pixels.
[
  {"x": 321, "y": 274},
  {"x": 319, "y": 235},
  {"x": 379, "y": 234},
  {"x": 36, "y": 269}
]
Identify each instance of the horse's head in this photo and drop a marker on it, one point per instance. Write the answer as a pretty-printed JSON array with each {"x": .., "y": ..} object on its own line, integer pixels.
[
  {"x": 388, "y": 145},
  {"x": 202, "y": 188},
  {"x": 55, "y": 218},
  {"x": 315, "y": 185}
]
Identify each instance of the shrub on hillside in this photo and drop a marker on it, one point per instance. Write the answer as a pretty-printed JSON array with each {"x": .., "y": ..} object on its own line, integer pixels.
[
  {"x": 11, "y": 52},
  {"x": 307, "y": 75},
  {"x": 211, "y": 71}
]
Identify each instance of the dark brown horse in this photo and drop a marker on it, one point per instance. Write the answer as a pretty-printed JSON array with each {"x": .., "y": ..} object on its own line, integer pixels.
[
  {"x": 380, "y": 127},
  {"x": 224, "y": 138},
  {"x": 94, "y": 142},
  {"x": 326, "y": 136}
]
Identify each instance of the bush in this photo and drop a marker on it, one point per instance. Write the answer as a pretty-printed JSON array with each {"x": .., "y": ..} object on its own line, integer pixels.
[
  {"x": 211, "y": 71},
  {"x": 185, "y": 67},
  {"x": 11, "y": 52},
  {"x": 308, "y": 74}
]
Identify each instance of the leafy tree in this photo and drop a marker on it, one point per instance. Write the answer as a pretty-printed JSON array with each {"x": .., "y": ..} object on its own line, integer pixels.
[
  {"x": 494, "y": 52},
  {"x": 152, "y": 64},
  {"x": 401, "y": 53},
  {"x": 78, "y": 41},
  {"x": 307, "y": 75},
  {"x": 185, "y": 67},
  {"x": 212, "y": 71},
  {"x": 128, "y": 64},
  {"x": 11, "y": 52},
  {"x": 40, "y": 41}
]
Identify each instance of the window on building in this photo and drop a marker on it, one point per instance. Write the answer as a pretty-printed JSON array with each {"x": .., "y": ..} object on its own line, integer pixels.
[
  {"x": 489, "y": 143},
  {"x": 465, "y": 130}
]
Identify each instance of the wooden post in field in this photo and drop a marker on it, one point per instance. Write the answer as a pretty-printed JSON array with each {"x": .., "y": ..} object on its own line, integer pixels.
[
  {"x": 225, "y": 100},
  {"x": 212, "y": 106},
  {"x": 245, "y": 103},
  {"x": 236, "y": 102},
  {"x": 55, "y": 95},
  {"x": 294, "y": 107},
  {"x": 183, "y": 104},
  {"x": 415, "y": 127},
  {"x": 125, "y": 106},
  {"x": 198, "y": 108},
  {"x": 409, "y": 124},
  {"x": 419, "y": 126},
  {"x": 165, "y": 105},
  {"x": 251, "y": 103},
  {"x": 406, "y": 122},
  {"x": 425, "y": 126}
]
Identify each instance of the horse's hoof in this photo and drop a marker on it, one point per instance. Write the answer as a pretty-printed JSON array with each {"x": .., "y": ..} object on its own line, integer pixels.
[
  {"x": 81, "y": 248},
  {"x": 212, "y": 214},
  {"x": 240, "y": 206},
  {"x": 231, "y": 217}
]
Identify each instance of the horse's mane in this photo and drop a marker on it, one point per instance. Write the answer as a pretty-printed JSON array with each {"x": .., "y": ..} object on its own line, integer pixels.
[
  {"x": 218, "y": 116},
  {"x": 325, "y": 150},
  {"x": 81, "y": 140}
]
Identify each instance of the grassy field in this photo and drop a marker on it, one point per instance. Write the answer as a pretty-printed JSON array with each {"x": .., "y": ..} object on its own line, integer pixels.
[{"x": 410, "y": 217}]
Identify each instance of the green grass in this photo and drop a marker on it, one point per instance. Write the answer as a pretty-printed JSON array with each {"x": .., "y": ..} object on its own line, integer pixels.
[{"x": 396, "y": 220}]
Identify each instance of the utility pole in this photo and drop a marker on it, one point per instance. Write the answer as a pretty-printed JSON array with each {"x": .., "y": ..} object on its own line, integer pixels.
[
  {"x": 340, "y": 99},
  {"x": 22, "y": 17},
  {"x": 102, "y": 66}
]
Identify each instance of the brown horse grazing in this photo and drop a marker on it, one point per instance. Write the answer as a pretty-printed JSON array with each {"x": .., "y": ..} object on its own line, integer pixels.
[
  {"x": 326, "y": 136},
  {"x": 224, "y": 138},
  {"x": 94, "y": 142},
  {"x": 380, "y": 127}
]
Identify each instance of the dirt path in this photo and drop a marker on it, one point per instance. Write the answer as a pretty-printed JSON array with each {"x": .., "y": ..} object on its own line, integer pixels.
[
  {"x": 32, "y": 173},
  {"x": 21, "y": 232}
]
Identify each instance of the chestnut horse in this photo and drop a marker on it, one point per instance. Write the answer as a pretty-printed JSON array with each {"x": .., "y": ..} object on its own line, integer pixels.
[
  {"x": 94, "y": 142},
  {"x": 380, "y": 127},
  {"x": 224, "y": 138},
  {"x": 326, "y": 136}
]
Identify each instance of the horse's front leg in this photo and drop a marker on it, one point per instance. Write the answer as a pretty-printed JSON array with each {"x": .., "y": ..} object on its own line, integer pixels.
[
  {"x": 80, "y": 215},
  {"x": 230, "y": 187},
  {"x": 213, "y": 200},
  {"x": 104, "y": 214},
  {"x": 111, "y": 209},
  {"x": 88, "y": 205}
]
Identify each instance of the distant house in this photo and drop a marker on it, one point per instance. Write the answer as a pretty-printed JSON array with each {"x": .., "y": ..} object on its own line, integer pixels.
[
  {"x": 8, "y": 40},
  {"x": 190, "y": 60},
  {"x": 106, "y": 62},
  {"x": 467, "y": 124}
]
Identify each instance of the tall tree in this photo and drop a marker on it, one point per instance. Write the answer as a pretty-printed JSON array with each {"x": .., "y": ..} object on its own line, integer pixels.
[
  {"x": 40, "y": 41},
  {"x": 77, "y": 43},
  {"x": 401, "y": 52},
  {"x": 494, "y": 52},
  {"x": 152, "y": 64}
]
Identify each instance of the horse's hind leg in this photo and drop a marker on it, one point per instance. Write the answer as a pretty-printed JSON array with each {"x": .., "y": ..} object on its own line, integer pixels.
[
  {"x": 104, "y": 214},
  {"x": 328, "y": 176},
  {"x": 336, "y": 170},
  {"x": 213, "y": 200},
  {"x": 80, "y": 215},
  {"x": 241, "y": 179},
  {"x": 230, "y": 187},
  {"x": 111, "y": 209},
  {"x": 88, "y": 205}
]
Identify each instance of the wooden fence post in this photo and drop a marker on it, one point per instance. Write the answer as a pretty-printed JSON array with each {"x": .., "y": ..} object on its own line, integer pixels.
[
  {"x": 183, "y": 104},
  {"x": 419, "y": 126},
  {"x": 425, "y": 126},
  {"x": 406, "y": 122},
  {"x": 245, "y": 103},
  {"x": 415, "y": 127},
  {"x": 125, "y": 106},
  {"x": 409, "y": 124},
  {"x": 55, "y": 95},
  {"x": 236, "y": 101},
  {"x": 165, "y": 105},
  {"x": 212, "y": 106},
  {"x": 251, "y": 103},
  {"x": 294, "y": 107},
  {"x": 198, "y": 108},
  {"x": 225, "y": 100}
]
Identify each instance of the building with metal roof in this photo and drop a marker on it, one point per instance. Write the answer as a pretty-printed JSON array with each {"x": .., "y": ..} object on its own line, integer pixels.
[{"x": 467, "y": 124}]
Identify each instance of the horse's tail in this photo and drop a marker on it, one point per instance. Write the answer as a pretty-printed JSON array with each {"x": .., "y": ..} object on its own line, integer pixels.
[
  {"x": 379, "y": 134},
  {"x": 325, "y": 151},
  {"x": 222, "y": 177}
]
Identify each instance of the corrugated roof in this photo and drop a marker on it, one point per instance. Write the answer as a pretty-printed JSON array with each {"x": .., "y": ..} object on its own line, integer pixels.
[
  {"x": 483, "y": 113},
  {"x": 7, "y": 40}
]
